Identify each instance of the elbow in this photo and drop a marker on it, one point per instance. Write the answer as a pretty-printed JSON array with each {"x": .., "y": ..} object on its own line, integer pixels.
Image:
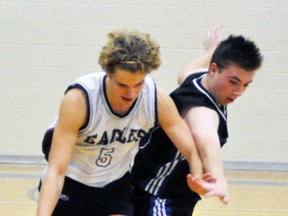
[
  {"x": 179, "y": 79},
  {"x": 181, "y": 76},
  {"x": 57, "y": 171}
]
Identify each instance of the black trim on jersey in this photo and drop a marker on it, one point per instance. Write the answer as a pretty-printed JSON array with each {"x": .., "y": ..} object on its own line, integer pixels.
[
  {"x": 78, "y": 86},
  {"x": 147, "y": 139},
  {"x": 182, "y": 95},
  {"x": 47, "y": 142},
  {"x": 109, "y": 105},
  {"x": 198, "y": 85},
  {"x": 191, "y": 92},
  {"x": 156, "y": 104}
]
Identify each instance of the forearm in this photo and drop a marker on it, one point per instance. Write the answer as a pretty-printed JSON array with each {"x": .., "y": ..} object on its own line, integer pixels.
[
  {"x": 49, "y": 195},
  {"x": 214, "y": 166},
  {"x": 182, "y": 138},
  {"x": 212, "y": 162},
  {"x": 198, "y": 64},
  {"x": 202, "y": 61},
  {"x": 195, "y": 163}
]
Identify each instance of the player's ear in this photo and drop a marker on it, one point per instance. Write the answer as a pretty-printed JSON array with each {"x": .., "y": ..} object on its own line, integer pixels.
[{"x": 213, "y": 69}]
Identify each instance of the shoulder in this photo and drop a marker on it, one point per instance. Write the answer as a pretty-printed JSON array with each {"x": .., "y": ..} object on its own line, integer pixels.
[
  {"x": 73, "y": 110},
  {"x": 88, "y": 83},
  {"x": 196, "y": 75},
  {"x": 89, "y": 79},
  {"x": 150, "y": 90},
  {"x": 75, "y": 97},
  {"x": 184, "y": 75},
  {"x": 163, "y": 98},
  {"x": 149, "y": 82}
]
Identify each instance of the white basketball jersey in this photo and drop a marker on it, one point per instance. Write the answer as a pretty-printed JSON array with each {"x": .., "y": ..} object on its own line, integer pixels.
[{"x": 106, "y": 147}]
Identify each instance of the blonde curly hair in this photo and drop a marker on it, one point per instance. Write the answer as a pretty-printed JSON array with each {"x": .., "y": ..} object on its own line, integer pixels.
[{"x": 129, "y": 50}]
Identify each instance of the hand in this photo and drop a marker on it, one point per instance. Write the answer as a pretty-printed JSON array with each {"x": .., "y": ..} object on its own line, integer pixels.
[
  {"x": 212, "y": 38},
  {"x": 201, "y": 185},
  {"x": 220, "y": 190},
  {"x": 208, "y": 186}
]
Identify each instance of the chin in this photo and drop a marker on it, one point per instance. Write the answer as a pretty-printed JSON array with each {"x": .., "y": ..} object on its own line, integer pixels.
[{"x": 229, "y": 102}]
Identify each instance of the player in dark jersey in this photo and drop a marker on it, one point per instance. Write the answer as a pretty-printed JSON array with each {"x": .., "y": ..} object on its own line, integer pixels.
[{"x": 160, "y": 172}]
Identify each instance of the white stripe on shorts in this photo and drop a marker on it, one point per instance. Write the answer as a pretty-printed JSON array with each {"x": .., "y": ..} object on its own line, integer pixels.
[{"x": 159, "y": 208}]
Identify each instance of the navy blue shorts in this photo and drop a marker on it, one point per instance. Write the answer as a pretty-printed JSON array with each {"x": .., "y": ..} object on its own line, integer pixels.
[
  {"x": 146, "y": 204},
  {"x": 78, "y": 199}
]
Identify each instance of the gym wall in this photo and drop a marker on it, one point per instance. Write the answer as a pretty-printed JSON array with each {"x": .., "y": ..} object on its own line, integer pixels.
[{"x": 46, "y": 44}]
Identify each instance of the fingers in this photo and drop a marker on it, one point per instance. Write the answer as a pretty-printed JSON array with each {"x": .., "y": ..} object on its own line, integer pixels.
[
  {"x": 224, "y": 197},
  {"x": 198, "y": 185},
  {"x": 194, "y": 184},
  {"x": 212, "y": 37},
  {"x": 208, "y": 187},
  {"x": 217, "y": 29}
]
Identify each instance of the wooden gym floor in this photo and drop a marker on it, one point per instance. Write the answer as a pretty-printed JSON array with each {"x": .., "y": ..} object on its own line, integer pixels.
[{"x": 259, "y": 193}]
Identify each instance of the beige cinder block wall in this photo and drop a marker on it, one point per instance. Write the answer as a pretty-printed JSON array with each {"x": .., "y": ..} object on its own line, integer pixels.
[{"x": 44, "y": 45}]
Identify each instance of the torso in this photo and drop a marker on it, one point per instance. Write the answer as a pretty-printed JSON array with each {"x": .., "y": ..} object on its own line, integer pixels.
[{"x": 108, "y": 143}]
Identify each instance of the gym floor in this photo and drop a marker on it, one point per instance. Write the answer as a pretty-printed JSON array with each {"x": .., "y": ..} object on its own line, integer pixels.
[{"x": 259, "y": 193}]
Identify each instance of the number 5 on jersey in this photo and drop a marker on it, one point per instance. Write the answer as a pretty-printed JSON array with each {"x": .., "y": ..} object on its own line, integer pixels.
[{"x": 105, "y": 157}]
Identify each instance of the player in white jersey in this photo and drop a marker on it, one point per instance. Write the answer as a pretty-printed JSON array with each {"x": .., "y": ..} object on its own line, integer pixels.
[{"x": 102, "y": 120}]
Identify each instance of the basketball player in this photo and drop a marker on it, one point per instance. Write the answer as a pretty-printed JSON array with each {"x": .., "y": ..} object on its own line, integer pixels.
[
  {"x": 160, "y": 172},
  {"x": 103, "y": 118}
]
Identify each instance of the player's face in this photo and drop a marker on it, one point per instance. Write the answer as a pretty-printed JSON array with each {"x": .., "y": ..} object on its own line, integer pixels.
[
  {"x": 124, "y": 87},
  {"x": 230, "y": 83}
]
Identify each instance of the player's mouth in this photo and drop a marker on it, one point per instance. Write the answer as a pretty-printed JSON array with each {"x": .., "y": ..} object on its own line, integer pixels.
[
  {"x": 127, "y": 99},
  {"x": 231, "y": 100}
]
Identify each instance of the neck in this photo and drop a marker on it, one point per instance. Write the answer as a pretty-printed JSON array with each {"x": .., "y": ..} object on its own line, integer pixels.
[{"x": 204, "y": 82}]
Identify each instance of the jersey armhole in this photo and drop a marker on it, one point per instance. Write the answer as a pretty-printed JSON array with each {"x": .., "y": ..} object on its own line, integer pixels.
[
  {"x": 156, "y": 105},
  {"x": 78, "y": 86}
]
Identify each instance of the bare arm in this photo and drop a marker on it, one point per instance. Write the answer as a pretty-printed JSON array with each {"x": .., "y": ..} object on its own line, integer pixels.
[
  {"x": 211, "y": 40},
  {"x": 72, "y": 115},
  {"x": 203, "y": 123},
  {"x": 178, "y": 131}
]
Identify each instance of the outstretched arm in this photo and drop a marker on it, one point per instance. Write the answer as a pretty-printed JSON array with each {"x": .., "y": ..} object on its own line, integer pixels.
[
  {"x": 71, "y": 117},
  {"x": 203, "y": 123},
  {"x": 211, "y": 40}
]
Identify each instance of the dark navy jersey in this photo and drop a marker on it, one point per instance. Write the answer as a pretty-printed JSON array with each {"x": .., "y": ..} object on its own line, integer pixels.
[{"x": 159, "y": 168}]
